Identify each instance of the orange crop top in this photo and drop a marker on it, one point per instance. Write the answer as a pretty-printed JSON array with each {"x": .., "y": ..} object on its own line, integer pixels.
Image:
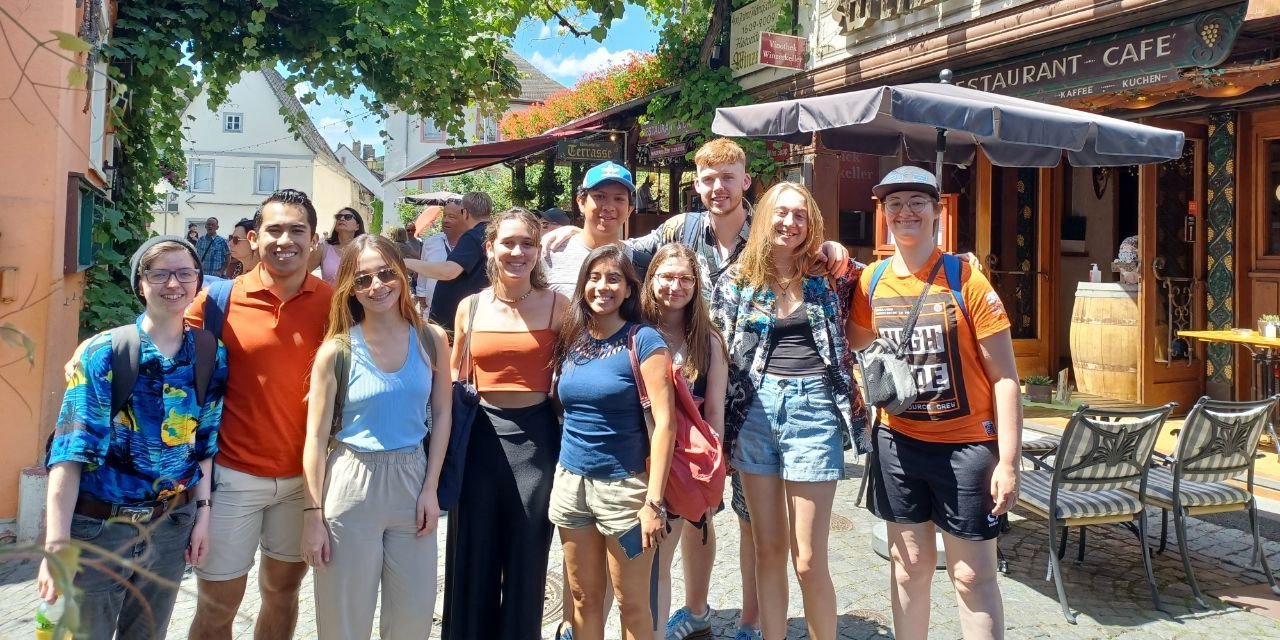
[{"x": 513, "y": 360}]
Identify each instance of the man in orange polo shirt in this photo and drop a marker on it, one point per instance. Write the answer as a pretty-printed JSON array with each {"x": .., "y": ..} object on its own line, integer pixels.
[{"x": 275, "y": 321}]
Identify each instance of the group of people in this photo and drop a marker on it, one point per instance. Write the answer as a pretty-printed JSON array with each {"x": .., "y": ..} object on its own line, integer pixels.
[{"x": 330, "y": 409}]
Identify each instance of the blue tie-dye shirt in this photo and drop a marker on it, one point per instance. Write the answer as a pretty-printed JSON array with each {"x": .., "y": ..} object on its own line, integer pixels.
[{"x": 151, "y": 449}]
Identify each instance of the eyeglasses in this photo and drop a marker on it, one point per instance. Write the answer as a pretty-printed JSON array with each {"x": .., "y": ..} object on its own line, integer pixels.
[
  {"x": 235, "y": 239},
  {"x": 344, "y": 216},
  {"x": 365, "y": 280},
  {"x": 161, "y": 276},
  {"x": 916, "y": 205},
  {"x": 668, "y": 280}
]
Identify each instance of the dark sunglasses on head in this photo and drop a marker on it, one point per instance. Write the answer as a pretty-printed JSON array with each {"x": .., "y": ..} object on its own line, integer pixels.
[
  {"x": 344, "y": 216},
  {"x": 385, "y": 276}
]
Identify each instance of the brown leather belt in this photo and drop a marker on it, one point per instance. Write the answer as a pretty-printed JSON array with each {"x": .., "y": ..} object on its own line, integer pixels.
[{"x": 139, "y": 514}]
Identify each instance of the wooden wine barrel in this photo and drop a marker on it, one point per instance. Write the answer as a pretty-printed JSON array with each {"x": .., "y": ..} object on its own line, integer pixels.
[{"x": 1104, "y": 340}]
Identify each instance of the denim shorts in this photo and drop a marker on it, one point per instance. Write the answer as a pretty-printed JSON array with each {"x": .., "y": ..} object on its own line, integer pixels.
[{"x": 792, "y": 431}]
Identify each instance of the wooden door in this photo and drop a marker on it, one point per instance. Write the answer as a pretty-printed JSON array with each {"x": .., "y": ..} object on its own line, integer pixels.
[
  {"x": 1172, "y": 252},
  {"x": 1257, "y": 229}
]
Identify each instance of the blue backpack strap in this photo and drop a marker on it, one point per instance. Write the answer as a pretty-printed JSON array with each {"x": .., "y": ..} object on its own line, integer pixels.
[
  {"x": 692, "y": 227},
  {"x": 951, "y": 265},
  {"x": 875, "y": 278},
  {"x": 216, "y": 305}
]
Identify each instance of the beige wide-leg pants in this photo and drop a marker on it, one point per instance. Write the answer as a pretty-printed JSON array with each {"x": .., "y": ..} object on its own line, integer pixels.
[{"x": 370, "y": 503}]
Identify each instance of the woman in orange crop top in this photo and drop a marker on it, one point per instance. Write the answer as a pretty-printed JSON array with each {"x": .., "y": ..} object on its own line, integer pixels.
[
  {"x": 499, "y": 534},
  {"x": 949, "y": 461}
]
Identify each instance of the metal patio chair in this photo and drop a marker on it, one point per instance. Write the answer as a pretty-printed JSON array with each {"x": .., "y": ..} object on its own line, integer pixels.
[
  {"x": 1218, "y": 443},
  {"x": 1102, "y": 453}
]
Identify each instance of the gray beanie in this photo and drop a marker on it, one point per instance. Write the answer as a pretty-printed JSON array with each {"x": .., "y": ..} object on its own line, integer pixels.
[{"x": 135, "y": 263}]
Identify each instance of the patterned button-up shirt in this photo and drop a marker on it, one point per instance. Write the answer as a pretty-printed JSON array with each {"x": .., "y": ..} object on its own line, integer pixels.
[
  {"x": 747, "y": 315},
  {"x": 704, "y": 246},
  {"x": 152, "y": 448},
  {"x": 213, "y": 252}
]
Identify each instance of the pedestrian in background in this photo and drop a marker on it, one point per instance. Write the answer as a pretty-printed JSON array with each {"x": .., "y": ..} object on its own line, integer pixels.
[
  {"x": 212, "y": 249},
  {"x": 137, "y": 483},
  {"x": 499, "y": 535},
  {"x": 243, "y": 257},
  {"x": 464, "y": 272},
  {"x": 950, "y": 461},
  {"x": 673, "y": 304},
  {"x": 369, "y": 526},
  {"x": 792, "y": 403},
  {"x": 347, "y": 226},
  {"x": 436, "y": 248},
  {"x": 607, "y": 500},
  {"x": 553, "y": 219}
]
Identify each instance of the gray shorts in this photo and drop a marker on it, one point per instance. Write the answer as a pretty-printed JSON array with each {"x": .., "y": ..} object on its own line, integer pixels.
[
  {"x": 250, "y": 512},
  {"x": 613, "y": 506}
]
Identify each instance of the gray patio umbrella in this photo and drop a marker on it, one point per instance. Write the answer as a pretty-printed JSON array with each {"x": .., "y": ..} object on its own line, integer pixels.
[
  {"x": 433, "y": 197},
  {"x": 940, "y": 122}
]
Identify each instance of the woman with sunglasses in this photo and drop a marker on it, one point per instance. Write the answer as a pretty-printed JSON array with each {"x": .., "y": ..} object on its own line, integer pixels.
[
  {"x": 243, "y": 257},
  {"x": 673, "y": 304},
  {"x": 143, "y": 473},
  {"x": 372, "y": 510},
  {"x": 792, "y": 405},
  {"x": 499, "y": 535},
  {"x": 950, "y": 460},
  {"x": 347, "y": 226},
  {"x": 607, "y": 500}
]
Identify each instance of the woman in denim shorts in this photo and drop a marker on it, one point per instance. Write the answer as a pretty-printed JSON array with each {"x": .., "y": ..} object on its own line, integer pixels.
[
  {"x": 792, "y": 407},
  {"x": 949, "y": 460},
  {"x": 608, "y": 506}
]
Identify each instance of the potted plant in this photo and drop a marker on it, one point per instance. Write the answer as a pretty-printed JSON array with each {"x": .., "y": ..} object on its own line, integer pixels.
[
  {"x": 1269, "y": 325},
  {"x": 1039, "y": 389}
]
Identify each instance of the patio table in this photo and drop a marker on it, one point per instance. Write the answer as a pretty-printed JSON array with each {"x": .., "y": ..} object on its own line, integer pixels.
[{"x": 1265, "y": 353}]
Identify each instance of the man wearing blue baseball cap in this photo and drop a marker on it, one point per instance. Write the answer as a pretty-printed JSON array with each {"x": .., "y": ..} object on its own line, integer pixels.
[{"x": 606, "y": 199}]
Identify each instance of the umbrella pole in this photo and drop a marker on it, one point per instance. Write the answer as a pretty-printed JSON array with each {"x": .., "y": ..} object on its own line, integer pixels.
[{"x": 941, "y": 149}]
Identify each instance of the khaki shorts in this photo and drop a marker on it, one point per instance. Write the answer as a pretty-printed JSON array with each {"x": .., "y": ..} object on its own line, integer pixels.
[
  {"x": 613, "y": 506},
  {"x": 250, "y": 511}
]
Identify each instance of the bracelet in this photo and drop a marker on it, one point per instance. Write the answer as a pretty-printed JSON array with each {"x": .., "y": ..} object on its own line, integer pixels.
[
  {"x": 313, "y": 508},
  {"x": 657, "y": 508}
]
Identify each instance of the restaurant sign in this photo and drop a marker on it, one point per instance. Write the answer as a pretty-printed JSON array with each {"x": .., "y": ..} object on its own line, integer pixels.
[
  {"x": 1123, "y": 61},
  {"x": 587, "y": 151},
  {"x": 781, "y": 50},
  {"x": 663, "y": 130}
]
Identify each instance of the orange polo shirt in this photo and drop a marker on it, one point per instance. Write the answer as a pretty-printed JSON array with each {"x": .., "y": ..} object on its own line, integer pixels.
[{"x": 270, "y": 347}]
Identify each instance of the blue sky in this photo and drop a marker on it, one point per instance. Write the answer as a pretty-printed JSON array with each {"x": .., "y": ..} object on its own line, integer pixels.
[{"x": 557, "y": 53}]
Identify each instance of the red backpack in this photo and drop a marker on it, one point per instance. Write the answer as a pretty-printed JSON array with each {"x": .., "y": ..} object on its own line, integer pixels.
[{"x": 695, "y": 482}]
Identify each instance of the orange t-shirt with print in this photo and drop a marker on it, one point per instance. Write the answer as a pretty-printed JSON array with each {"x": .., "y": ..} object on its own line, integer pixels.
[{"x": 955, "y": 403}]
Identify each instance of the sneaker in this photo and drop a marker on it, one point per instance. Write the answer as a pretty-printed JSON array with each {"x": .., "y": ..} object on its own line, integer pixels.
[
  {"x": 564, "y": 631},
  {"x": 683, "y": 625},
  {"x": 747, "y": 633}
]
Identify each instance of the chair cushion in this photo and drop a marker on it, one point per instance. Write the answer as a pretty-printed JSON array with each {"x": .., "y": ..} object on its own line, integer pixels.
[
  {"x": 1041, "y": 444},
  {"x": 1076, "y": 504},
  {"x": 1194, "y": 494}
]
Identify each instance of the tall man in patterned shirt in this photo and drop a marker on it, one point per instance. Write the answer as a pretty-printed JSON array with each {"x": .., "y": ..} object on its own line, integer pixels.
[{"x": 212, "y": 249}]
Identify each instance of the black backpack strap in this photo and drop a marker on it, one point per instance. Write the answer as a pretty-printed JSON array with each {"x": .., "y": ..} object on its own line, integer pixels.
[
  {"x": 692, "y": 227},
  {"x": 206, "y": 362},
  {"x": 126, "y": 350}
]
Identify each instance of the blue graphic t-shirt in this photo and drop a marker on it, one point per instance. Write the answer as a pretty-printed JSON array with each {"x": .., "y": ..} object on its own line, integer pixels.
[
  {"x": 151, "y": 449},
  {"x": 605, "y": 436}
]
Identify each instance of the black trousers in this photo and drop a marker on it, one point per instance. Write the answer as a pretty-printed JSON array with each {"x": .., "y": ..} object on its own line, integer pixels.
[{"x": 498, "y": 534}]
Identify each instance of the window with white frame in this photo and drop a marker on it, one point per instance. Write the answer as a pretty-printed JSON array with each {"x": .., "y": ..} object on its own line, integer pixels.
[
  {"x": 200, "y": 176},
  {"x": 487, "y": 129},
  {"x": 232, "y": 122},
  {"x": 266, "y": 177},
  {"x": 431, "y": 132}
]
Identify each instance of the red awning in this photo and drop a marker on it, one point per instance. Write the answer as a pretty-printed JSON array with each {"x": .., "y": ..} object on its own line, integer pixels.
[{"x": 448, "y": 162}]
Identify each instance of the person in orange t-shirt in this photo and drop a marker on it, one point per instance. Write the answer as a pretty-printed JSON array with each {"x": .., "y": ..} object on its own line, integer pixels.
[
  {"x": 950, "y": 460},
  {"x": 275, "y": 321}
]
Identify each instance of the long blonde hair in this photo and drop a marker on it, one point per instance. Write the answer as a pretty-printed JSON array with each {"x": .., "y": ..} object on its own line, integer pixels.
[
  {"x": 699, "y": 333},
  {"x": 345, "y": 311},
  {"x": 756, "y": 264}
]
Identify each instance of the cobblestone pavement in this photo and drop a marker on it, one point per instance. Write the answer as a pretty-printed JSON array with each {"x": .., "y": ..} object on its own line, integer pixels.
[{"x": 1107, "y": 592}]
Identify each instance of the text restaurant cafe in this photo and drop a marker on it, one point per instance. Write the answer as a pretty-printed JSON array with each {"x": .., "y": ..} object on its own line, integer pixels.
[{"x": 1203, "y": 231}]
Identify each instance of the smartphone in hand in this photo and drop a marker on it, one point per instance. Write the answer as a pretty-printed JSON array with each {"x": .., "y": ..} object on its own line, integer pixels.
[{"x": 632, "y": 542}]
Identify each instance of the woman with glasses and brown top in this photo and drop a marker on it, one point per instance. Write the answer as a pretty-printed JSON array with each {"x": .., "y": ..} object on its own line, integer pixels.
[
  {"x": 347, "y": 226},
  {"x": 371, "y": 515},
  {"x": 243, "y": 257},
  {"x": 499, "y": 535}
]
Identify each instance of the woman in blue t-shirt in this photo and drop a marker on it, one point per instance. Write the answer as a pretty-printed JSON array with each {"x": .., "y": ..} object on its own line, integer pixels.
[{"x": 605, "y": 500}]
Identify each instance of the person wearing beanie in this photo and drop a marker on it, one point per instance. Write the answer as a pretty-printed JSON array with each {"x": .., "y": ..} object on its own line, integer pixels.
[{"x": 121, "y": 463}]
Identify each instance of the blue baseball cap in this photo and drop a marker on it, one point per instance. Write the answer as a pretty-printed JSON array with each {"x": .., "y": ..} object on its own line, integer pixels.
[
  {"x": 906, "y": 178},
  {"x": 608, "y": 170}
]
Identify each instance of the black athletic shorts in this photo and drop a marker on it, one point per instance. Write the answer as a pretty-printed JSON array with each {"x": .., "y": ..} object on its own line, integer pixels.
[{"x": 950, "y": 484}]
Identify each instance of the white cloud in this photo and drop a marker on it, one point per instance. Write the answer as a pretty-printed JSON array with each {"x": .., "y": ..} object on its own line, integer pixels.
[
  {"x": 545, "y": 32},
  {"x": 301, "y": 89},
  {"x": 572, "y": 67}
]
